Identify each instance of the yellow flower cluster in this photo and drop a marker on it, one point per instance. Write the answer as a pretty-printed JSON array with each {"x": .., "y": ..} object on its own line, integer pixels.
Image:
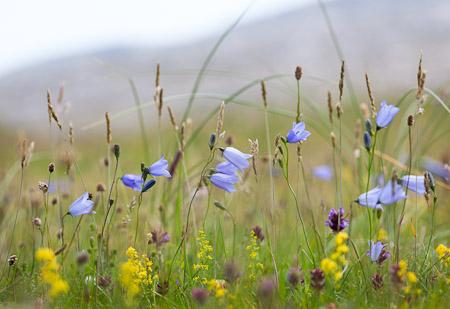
[
  {"x": 411, "y": 279},
  {"x": 382, "y": 235},
  {"x": 135, "y": 273},
  {"x": 204, "y": 252},
  {"x": 253, "y": 250},
  {"x": 217, "y": 287},
  {"x": 443, "y": 253},
  {"x": 333, "y": 265},
  {"x": 50, "y": 272}
]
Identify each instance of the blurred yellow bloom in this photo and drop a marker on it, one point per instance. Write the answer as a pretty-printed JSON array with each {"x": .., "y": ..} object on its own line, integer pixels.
[
  {"x": 328, "y": 266},
  {"x": 411, "y": 277},
  {"x": 341, "y": 237},
  {"x": 49, "y": 272},
  {"x": 382, "y": 235}
]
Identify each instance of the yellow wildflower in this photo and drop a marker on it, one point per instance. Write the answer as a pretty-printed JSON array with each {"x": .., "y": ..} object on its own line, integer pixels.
[
  {"x": 341, "y": 237},
  {"x": 50, "y": 272},
  {"x": 328, "y": 266},
  {"x": 204, "y": 253},
  {"x": 253, "y": 249},
  {"x": 411, "y": 277},
  {"x": 382, "y": 235},
  {"x": 403, "y": 266}
]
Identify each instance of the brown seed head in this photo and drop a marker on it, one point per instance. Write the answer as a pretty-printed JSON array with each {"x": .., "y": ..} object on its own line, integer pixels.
[
  {"x": 410, "y": 120},
  {"x": 264, "y": 93},
  {"x": 333, "y": 139},
  {"x": 372, "y": 100},
  {"x": 108, "y": 129},
  {"x": 330, "y": 106},
  {"x": 298, "y": 72},
  {"x": 172, "y": 118},
  {"x": 341, "y": 80},
  {"x": 220, "y": 119}
]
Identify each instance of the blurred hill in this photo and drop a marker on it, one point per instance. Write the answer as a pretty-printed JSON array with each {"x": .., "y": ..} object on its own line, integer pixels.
[{"x": 383, "y": 38}]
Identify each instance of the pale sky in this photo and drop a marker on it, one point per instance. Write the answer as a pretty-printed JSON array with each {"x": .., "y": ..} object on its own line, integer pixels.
[{"x": 32, "y": 30}]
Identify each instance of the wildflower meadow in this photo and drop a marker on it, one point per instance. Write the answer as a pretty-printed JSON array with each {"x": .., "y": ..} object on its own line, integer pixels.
[{"x": 339, "y": 202}]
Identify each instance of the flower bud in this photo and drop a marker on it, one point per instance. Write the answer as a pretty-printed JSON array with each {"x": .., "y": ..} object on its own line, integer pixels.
[
  {"x": 148, "y": 185},
  {"x": 212, "y": 141},
  {"x": 82, "y": 258},
  {"x": 298, "y": 72},
  {"x": 410, "y": 120},
  {"x": 116, "y": 151},
  {"x": 51, "y": 167},
  {"x": 367, "y": 141},
  {"x": 368, "y": 125}
]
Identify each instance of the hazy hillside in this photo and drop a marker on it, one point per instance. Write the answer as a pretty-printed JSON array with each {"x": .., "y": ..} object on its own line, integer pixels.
[{"x": 381, "y": 37}]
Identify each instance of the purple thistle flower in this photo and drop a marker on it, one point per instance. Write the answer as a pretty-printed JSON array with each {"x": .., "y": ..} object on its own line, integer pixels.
[
  {"x": 226, "y": 168},
  {"x": 323, "y": 172},
  {"x": 257, "y": 230},
  {"x": 385, "y": 115},
  {"x": 200, "y": 295},
  {"x": 377, "y": 252},
  {"x": 377, "y": 281},
  {"x": 317, "y": 279},
  {"x": 414, "y": 183},
  {"x": 236, "y": 157},
  {"x": 159, "y": 168},
  {"x": 336, "y": 221},
  {"x": 158, "y": 238},
  {"x": 133, "y": 181},
  {"x": 224, "y": 181},
  {"x": 391, "y": 193},
  {"x": 298, "y": 133},
  {"x": 82, "y": 206}
]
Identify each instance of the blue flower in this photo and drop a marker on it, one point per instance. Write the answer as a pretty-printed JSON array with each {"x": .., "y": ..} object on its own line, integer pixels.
[
  {"x": 149, "y": 184},
  {"x": 226, "y": 168},
  {"x": 370, "y": 199},
  {"x": 82, "y": 206},
  {"x": 391, "y": 193},
  {"x": 385, "y": 115},
  {"x": 224, "y": 181},
  {"x": 323, "y": 172},
  {"x": 133, "y": 181},
  {"x": 159, "y": 168},
  {"x": 414, "y": 183},
  {"x": 377, "y": 252},
  {"x": 297, "y": 133},
  {"x": 437, "y": 168},
  {"x": 237, "y": 158}
]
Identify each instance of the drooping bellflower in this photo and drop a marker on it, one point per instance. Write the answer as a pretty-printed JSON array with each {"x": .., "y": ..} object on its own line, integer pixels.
[
  {"x": 298, "y": 133},
  {"x": 437, "y": 169},
  {"x": 159, "y": 168},
  {"x": 133, "y": 181},
  {"x": 377, "y": 252},
  {"x": 414, "y": 183},
  {"x": 237, "y": 158},
  {"x": 224, "y": 181},
  {"x": 371, "y": 198},
  {"x": 226, "y": 168},
  {"x": 386, "y": 114},
  {"x": 391, "y": 193},
  {"x": 82, "y": 206}
]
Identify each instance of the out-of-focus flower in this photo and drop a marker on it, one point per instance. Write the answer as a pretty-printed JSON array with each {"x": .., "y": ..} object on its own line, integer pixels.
[
  {"x": 317, "y": 279},
  {"x": 237, "y": 158},
  {"x": 231, "y": 272},
  {"x": 385, "y": 115},
  {"x": 158, "y": 238},
  {"x": 82, "y": 206},
  {"x": 217, "y": 287},
  {"x": 414, "y": 183},
  {"x": 377, "y": 281},
  {"x": 377, "y": 252},
  {"x": 49, "y": 272},
  {"x": 371, "y": 198},
  {"x": 257, "y": 231},
  {"x": 323, "y": 172},
  {"x": 437, "y": 168},
  {"x": 267, "y": 287},
  {"x": 336, "y": 220},
  {"x": 159, "y": 168},
  {"x": 200, "y": 295},
  {"x": 298, "y": 133},
  {"x": 295, "y": 276}
]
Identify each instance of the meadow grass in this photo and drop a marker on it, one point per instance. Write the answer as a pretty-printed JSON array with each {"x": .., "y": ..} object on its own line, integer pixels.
[{"x": 280, "y": 239}]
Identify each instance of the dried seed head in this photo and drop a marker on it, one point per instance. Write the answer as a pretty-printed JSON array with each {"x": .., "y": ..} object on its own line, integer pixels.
[
  {"x": 421, "y": 75},
  {"x": 51, "y": 111},
  {"x": 25, "y": 151},
  {"x": 108, "y": 129},
  {"x": 159, "y": 100},
  {"x": 101, "y": 187},
  {"x": 71, "y": 139},
  {"x": 220, "y": 118},
  {"x": 410, "y": 120},
  {"x": 82, "y": 258},
  {"x": 61, "y": 93},
  {"x": 372, "y": 101},
  {"x": 51, "y": 167},
  {"x": 333, "y": 139},
  {"x": 330, "y": 106},
  {"x": 264, "y": 93},
  {"x": 295, "y": 276},
  {"x": 172, "y": 118},
  {"x": 341, "y": 80},
  {"x": 364, "y": 110},
  {"x": 37, "y": 222},
  {"x": 254, "y": 150},
  {"x": 339, "y": 110},
  {"x": 12, "y": 260},
  {"x": 43, "y": 186},
  {"x": 183, "y": 136},
  {"x": 298, "y": 72}
]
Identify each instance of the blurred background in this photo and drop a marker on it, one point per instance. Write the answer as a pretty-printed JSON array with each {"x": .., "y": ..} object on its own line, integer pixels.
[{"x": 95, "y": 47}]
